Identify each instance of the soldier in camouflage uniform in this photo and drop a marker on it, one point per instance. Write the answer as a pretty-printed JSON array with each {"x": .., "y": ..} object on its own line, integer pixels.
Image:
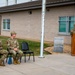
[
  {"x": 13, "y": 47},
  {"x": 3, "y": 53}
]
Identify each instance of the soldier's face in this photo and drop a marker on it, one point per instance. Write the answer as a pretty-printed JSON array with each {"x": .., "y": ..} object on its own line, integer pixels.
[{"x": 14, "y": 35}]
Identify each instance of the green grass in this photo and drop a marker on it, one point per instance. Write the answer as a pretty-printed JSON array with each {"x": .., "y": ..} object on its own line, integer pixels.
[{"x": 34, "y": 46}]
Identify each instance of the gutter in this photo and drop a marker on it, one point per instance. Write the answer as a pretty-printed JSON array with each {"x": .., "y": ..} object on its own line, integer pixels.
[{"x": 37, "y": 5}]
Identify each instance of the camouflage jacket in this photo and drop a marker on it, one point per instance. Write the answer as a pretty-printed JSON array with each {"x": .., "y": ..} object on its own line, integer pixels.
[
  {"x": 12, "y": 43},
  {"x": 1, "y": 46}
]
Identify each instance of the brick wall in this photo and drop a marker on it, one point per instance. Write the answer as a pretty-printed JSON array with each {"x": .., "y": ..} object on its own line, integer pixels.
[{"x": 29, "y": 25}]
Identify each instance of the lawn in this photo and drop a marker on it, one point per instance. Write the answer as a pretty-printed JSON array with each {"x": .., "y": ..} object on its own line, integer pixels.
[{"x": 34, "y": 46}]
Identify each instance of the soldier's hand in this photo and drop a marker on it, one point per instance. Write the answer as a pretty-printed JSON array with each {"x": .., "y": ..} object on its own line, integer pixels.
[{"x": 15, "y": 49}]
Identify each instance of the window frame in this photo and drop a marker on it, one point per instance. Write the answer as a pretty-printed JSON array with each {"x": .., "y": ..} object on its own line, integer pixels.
[
  {"x": 6, "y": 24},
  {"x": 67, "y": 25}
]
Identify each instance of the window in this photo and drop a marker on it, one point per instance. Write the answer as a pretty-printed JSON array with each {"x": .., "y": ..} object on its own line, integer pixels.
[
  {"x": 6, "y": 24},
  {"x": 66, "y": 24}
]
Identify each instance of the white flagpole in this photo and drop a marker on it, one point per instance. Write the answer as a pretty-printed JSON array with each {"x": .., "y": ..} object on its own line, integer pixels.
[{"x": 43, "y": 25}]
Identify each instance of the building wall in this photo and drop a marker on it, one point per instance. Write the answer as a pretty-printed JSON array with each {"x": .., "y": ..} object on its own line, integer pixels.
[
  {"x": 0, "y": 23},
  {"x": 52, "y": 22},
  {"x": 26, "y": 25},
  {"x": 29, "y": 25}
]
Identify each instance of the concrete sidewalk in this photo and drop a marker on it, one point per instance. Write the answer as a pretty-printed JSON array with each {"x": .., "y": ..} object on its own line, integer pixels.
[{"x": 56, "y": 64}]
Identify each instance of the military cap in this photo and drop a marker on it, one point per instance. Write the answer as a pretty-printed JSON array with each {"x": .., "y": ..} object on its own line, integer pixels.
[{"x": 13, "y": 32}]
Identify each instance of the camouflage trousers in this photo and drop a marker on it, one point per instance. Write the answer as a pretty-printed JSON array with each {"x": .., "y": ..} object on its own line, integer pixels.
[
  {"x": 4, "y": 54},
  {"x": 16, "y": 54}
]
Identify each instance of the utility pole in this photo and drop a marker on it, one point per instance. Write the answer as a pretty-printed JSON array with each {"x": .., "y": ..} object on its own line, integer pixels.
[
  {"x": 15, "y": 1},
  {"x": 6, "y": 2},
  {"x": 43, "y": 27}
]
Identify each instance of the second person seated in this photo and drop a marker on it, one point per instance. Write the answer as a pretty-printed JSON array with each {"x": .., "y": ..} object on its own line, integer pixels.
[{"x": 13, "y": 47}]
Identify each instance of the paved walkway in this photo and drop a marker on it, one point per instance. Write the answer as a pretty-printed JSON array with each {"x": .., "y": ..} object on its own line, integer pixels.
[{"x": 56, "y": 64}]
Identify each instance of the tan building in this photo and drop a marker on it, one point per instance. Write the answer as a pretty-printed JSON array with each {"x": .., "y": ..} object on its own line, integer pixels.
[{"x": 25, "y": 19}]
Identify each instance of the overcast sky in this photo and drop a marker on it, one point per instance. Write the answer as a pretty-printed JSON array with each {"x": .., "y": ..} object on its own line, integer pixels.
[{"x": 10, "y": 2}]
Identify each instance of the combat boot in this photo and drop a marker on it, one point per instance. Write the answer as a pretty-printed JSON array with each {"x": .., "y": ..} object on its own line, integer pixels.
[
  {"x": 1, "y": 64},
  {"x": 14, "y": 61},
  {"x": 17, "y": 62}
]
